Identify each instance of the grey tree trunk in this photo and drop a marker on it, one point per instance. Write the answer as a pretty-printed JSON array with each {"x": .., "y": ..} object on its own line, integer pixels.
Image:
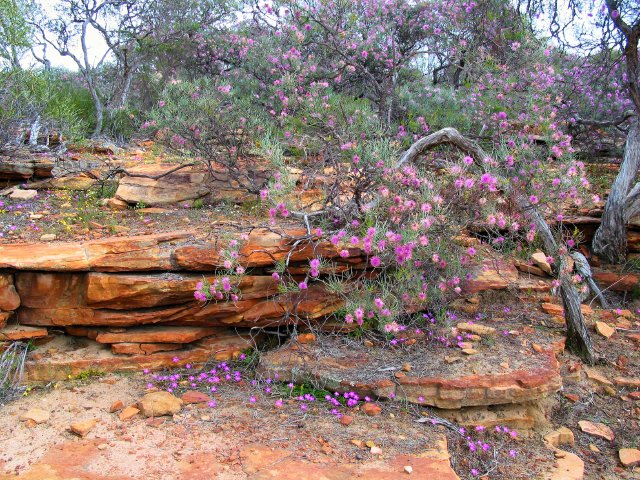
[
  {"x": 578, "y": 338},
  {"x": 610, "y": 240},
  {"x": 632, "y": 204},
  {"x": 99, "y": 112}
]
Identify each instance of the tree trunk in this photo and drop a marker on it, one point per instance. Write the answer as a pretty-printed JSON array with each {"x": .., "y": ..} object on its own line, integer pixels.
[
  {"x": 97, "y": 102},
  {"x": 578, "y": 338},
  {"x": 632, "y": 203},
  {"x": 122, "y": 92},
  {"x": 610, "y": 240}
]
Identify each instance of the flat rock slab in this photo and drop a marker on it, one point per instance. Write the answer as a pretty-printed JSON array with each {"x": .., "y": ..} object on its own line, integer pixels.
[
  {"x": 70, "y": 310},
  {"x": 144, "y": 348},
  {"x": 157, "y": 334},
  {"x": 618, "y": 282},
  {"x": 377, "y": 371},
  {"x": 23, "y": 165},
  {"x": 261, "y": 462},
  {"x": 21, "y": 332},
  {"x": 172, "y": 188},
  {"x": 168, "y": 251},
  {"x": 72, "y": 356},
  {"x": 138, "y": 253}
]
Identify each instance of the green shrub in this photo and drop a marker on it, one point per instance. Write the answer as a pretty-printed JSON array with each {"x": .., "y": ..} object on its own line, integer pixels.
[{"x": 55, "y": 97}]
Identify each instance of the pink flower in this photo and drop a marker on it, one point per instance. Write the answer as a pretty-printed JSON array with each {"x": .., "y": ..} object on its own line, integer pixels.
[
  {"x": 302, "y": 285},
  {"x": 375, "y": 261}
]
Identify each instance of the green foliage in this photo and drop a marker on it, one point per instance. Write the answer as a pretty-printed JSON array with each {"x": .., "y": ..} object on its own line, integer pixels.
[
  {"x": 89, "y": 374},
  {"x": 15, "y": 31},
  {"x": 61, "y": 104},
  {"x": 123, "y": 124}
]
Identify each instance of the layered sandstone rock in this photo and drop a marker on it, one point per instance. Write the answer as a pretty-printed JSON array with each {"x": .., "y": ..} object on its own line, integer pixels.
[
  {"x": 172, "y": 188},
  {"x": 22, "y": 165},
  {"x": 491, "y": 274},
  {"x": 119, "y": 254},
  {"x": 344, "y": 370},
  {"x": 65, "y": 357},
  {"x": 9, "y": 298}
]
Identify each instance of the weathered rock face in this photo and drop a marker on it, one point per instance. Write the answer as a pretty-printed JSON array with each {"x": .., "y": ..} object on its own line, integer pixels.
[
  {"x": 70, "y": 357},
  {"x": 120, "y": 254},
  {"x": 94, "y": 287},
  {"x": 128, "y": 291},
  {"x": 342, "y": 371},
  {"x": 618, "y": 282},
  {"x": 176, "y": 187},
  {"x": 68, "y": 183},
  {"x": 169, "y": 251},
  {"x": 22, "y": 165},
  {"x": 157, "y": 334},
  {"x": 491, "y": 274},
  {"x": 9, "y": 299},
  {"x": 263, "y": 248}
]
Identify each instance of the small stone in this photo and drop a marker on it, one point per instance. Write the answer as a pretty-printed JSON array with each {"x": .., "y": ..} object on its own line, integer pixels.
[
  {"x": 19, "y": 194},
  {"x": 634, "y": 395},
  {"x": 451, "y": 359},
  {"x": 306, "y": 338},
  {"x": 368, "y": 343},
  {"x": 464, "y": 345},
  {"x": 627, "y": 382},
  {"x": 470, "y": 351},
  {"x": 408, "y": 468},
  {"x": 597, "y": 376},
  {"x": 371, "y": 409},
  {"x": 376, "y": 451},
  {"x": 128, "y": 413},
  {"x": 157, "y": 404},
  {"x": 48, "y": 237},
  {"x": 346, "y": 420},
  {"x": 115, "y": 204},
  {"x": 116, "y": 406},
  {"x": 35, "y": 415},
  {"x": 604, "y": 329},
  {"x": 103, "y": 446},
  {"x": 629, "y": 457},
  {"x": 561, "y": 436},
  {"x": 539, "y": 259},
  {"x": 406, "y": 367},
  {"x": 596, "y": 429},
  {"x": 593, "y": 448},
  {"x": 475, "y": 328},
  {"x": 572, "y": 397},
  {"x": 154, "y": 422},
  {"x": 505, "y": 365},
  {"x": 537, "y": 348},
  {"x": 83, "y": 428}
]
